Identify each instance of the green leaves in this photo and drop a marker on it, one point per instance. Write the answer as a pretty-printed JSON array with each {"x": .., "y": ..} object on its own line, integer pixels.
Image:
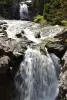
[{"x": 39, "y": 19}]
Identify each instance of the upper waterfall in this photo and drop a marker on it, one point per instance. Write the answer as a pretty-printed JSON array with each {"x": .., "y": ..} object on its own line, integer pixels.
[
  {"x": 36, "y": 78},
  {"x": 23, "y": 11}
]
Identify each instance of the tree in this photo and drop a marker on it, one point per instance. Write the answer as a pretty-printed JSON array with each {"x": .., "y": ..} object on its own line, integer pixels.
[
  {"x": 39, "y": 5},
  {"x": 8, "y": 1}
]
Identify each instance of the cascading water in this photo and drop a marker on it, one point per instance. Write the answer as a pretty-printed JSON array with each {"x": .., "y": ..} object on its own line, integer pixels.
[
  {"x": 36, "y": 78},
  {"x": 23, "y": 11}
]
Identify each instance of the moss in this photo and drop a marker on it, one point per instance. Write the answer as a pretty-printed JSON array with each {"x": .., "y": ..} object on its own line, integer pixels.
[
  {"x": 39, "y": 19},
  {"x": 47, "y": 41},
  {"x": 64, "y": 22}
]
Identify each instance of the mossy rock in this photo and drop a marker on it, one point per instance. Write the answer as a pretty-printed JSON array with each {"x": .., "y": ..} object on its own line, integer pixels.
[
  {"x": 45, "y": 42},
  {"x": 54, "y": 45},
  {"x": 64, "y": 22},
  {"x": 39, "y": 19}
]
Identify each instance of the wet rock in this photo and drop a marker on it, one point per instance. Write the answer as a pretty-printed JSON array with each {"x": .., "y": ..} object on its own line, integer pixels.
[
  {"x": 22, "y": 31},
  {"x": 64, "y": 59},
  {"x": 63, "y": 79},
  {"x": 56, "y": 48},
  {"x": 57, "y": 64},
  {"x": 2, "y": 22},
  {"x": 19, "y": 35},
  {"x": 10, "y": 49},
  {"x": 1, "y": 30},
  {"x": 4, "y": 64},
  {"x": 10, "y": 45},
  {"x": 59, "y": 45},
  {"x": 4, "y": 28},
  {"x": 37, "y": 35}
]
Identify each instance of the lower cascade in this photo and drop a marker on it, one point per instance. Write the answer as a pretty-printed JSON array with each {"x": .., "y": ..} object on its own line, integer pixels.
[{"x": 36, "y": 78}]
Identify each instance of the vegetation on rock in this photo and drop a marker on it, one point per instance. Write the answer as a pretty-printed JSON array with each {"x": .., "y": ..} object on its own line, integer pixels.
[
  {"x": 54, "y": 11},
  {"x": 39, "y": 19}
]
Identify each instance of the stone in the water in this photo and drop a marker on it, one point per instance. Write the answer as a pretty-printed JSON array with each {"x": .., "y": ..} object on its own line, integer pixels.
[
  {"x": 22, "y": 31},
  {"x": 19, "y": 35},
  {"x": 38, "y": 35},
  {"x": 4, "y": 28},
  {"x": 1, "y": 30}
]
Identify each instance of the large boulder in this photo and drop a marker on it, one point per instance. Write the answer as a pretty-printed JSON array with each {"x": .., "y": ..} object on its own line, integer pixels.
[
  {"x": 11, "y": 48},
  {"x": 57, "y": 44},
  {"x": 57, "y": 48}
]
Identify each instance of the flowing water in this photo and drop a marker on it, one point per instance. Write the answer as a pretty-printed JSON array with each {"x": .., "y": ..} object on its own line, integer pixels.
[
  {"x": 36, "y": 78},
  {"x": 30, "y": 30},
  {"x": 23, "y": 11}
]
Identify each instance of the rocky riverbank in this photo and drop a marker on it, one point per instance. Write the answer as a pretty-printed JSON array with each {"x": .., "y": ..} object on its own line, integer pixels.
[
  {"x": 17, "y": 36},
  {"x": 58, "y": 46}
]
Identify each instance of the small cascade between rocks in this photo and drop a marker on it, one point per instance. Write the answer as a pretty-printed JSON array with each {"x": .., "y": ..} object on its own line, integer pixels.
[{"x": 36, "y": 78}]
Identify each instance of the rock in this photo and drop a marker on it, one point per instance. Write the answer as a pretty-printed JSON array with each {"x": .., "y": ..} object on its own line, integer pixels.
[
  {"x": 2, "y": 22},
  {"x": 4, "y": 64},
  {"x": 59, "y": 45},
  {"x": 1, "y": 30},
  {"x": 56, "y": 48},
  {"x": 38, "y": 35},
  {"x": 56, "y": 44},
  {"x": 10, "y": 45},
  {"x": 65, "y": 56},
  {"x": 63, "y": 79},
  {"x": 64, "y": 59},
  {"x": 4, "y": 28},
  {"x": 22, "y": 31},
  {"x": 57, "y": 64},
  {"x": 63, "y": 86},
  {"x": 19, "y": 35},
  {"x": 10, "y": 49}
]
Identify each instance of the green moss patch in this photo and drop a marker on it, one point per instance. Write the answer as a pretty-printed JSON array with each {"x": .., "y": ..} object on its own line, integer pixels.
[{"x": 39, "y": 19}]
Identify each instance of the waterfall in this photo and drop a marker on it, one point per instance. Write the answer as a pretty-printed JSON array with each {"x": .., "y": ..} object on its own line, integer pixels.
[
  {"x": 36, "y": 78},
  {"x": 23, "y": 11}
]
